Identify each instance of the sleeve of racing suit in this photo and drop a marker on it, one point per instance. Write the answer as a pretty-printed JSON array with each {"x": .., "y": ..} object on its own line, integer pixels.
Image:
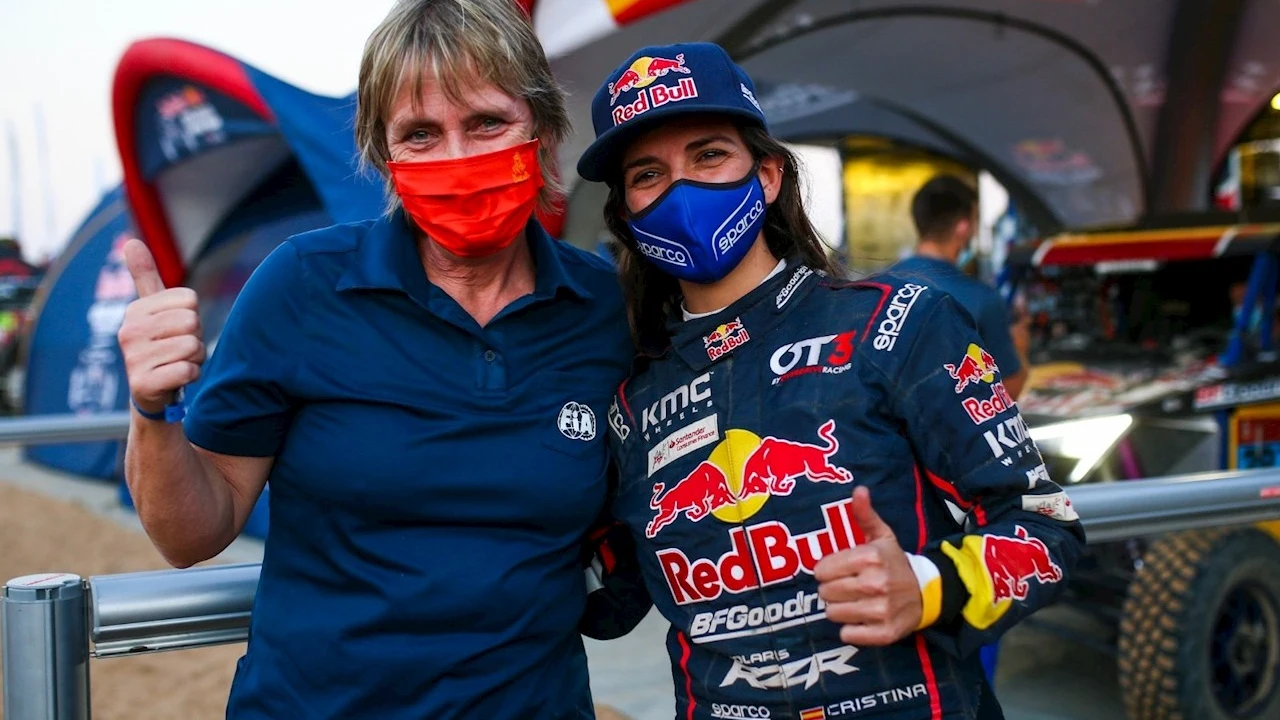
[
  {"x": 1016, "y": 536},
  {"x": 617, "y": 600}
]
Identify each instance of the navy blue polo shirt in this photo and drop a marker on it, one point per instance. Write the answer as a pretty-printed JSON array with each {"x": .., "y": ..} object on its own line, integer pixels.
[
  {"x": 433, "y": 479},
  {"x": 981, "y": 300}
]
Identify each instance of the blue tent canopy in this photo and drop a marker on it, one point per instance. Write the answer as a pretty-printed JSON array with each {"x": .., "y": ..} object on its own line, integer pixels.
[{"x": 222, "y": 163}]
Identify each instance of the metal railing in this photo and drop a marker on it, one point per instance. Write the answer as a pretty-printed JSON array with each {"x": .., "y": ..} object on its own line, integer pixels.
[
  {"x": 54, "y": 429},
  {"x": 53, "y": 623}
]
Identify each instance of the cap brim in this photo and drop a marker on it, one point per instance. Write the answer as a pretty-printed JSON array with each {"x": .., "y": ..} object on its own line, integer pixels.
[{"x": 603, "y": 154}]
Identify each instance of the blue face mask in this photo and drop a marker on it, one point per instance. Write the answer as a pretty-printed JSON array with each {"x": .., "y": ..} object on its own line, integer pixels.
[
  {"x": 699, "y": 232},
  {"x": 964, "y": 257}
]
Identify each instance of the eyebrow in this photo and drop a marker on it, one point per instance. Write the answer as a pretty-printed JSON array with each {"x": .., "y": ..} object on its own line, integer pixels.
[
  {"x": 475, "y": 114},
  {"x": 692, "y": 146}
]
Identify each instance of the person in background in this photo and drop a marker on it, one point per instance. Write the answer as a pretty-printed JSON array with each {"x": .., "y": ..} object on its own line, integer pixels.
[
  {"x": 945, "y": 212},
  {"x": 424, "y": 391}
]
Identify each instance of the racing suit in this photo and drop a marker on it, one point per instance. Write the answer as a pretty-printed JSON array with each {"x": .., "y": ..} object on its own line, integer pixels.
[{"x": 738, "y": 451}]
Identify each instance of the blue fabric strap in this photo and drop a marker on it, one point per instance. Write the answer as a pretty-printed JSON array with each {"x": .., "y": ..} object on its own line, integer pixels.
[{"x": 173, "y": 412}]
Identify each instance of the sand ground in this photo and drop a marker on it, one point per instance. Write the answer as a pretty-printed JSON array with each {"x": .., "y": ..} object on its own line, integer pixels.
[{"x": 38, "y": 534}]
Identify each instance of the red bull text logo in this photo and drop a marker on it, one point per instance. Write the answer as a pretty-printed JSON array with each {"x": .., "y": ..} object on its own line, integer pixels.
[
  {"x": 982, "y": 410},
  {"x": 1013, "y": 561},
  {"x": 734, "y": 490},
  {"x": 977, "y": 366},
  {"x": 724, "y": 339},
  {"x": 655, "y": 97},
  {"x": 762, "y": 555},
  {"x": 642, "y": 73}
]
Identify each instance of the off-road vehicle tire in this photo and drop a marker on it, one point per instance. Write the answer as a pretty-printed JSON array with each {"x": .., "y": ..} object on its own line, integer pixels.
[{"x": 1200, "y": 630}]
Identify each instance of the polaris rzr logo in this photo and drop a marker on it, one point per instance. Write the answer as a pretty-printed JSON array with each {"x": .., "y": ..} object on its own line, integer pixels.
[
  {"x": 728, "y": 240},
  {"x": 805, "y": 671},
  {"x": 670, "y": 256}
]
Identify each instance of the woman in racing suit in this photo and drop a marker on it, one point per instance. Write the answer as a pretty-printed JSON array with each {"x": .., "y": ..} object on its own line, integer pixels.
[{"x": 835, "y": 502}]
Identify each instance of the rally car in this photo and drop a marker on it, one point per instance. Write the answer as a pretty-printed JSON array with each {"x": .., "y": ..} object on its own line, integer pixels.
[{"x": 1154, "y": 354}]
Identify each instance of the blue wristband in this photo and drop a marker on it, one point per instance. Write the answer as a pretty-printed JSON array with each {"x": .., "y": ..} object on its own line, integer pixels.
[{"x": 172, "y": 413}]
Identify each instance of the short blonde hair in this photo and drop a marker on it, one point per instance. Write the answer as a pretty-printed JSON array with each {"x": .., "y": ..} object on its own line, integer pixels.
[{"x": 457, "y": 41}]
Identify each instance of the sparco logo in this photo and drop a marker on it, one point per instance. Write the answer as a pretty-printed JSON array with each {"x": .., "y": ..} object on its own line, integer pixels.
[
  {"x": 666, "y": 255},
  {"x": 722, "y": 711},
  {"x": 728, "y": 240},
  {"x": 805, "y": 671},
  {"x": 676, "y": 401},
  {"x": 899, "y": 308},
  {"x": 617, "y": 422},
  {"x": 785, "y": 294}
]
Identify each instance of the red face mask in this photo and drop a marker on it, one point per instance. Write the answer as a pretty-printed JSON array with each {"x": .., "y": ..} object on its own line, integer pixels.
[{"x": 472, "y": 206}]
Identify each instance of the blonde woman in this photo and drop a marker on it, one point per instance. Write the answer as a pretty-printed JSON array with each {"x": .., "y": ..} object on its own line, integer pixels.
[{"x": 426, "y": 394}]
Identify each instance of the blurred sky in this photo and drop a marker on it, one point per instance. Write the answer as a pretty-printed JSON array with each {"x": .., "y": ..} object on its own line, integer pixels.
[{"x": 57, "y": 59}]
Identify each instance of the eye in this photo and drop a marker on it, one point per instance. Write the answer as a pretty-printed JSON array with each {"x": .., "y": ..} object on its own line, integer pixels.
[
  {"x": 417, "y": 136},
  {"x": 642, "y": 178},
  {"x": 489, "y": 124},
  {"x": 711, "y": 154}
]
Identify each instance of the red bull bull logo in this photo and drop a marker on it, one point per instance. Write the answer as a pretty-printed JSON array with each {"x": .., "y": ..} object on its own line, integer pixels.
[
  {"x": 735, "y": 490},
  {"x": 725, "y": 339},
  {"x": 643, "y": 72},
  {"x": 1012, "y": 562},
  {"x": 977, "y": 366}
]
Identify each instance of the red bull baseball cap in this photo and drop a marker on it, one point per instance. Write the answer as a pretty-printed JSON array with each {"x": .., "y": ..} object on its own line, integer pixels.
[{"x": 659, "y": 82}]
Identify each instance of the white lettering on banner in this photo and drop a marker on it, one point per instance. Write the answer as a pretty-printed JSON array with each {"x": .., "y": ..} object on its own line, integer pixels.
[
  {"x": 784, "y": 295},
  {"x": 745, "y": 620},
  {"x": 617, "y": 422},
  {"x": 666, "y": 255},
  {"x": 676, "y": 401},
  {"x": 761, "y": 555},
  {"x": 1056, "y": 505},
  {"x": 1236, "y": 393},
  {"x": 682, "y": 442},
  {"x": 733, "y": 712},
  {"x": 729, "y": 239},
  {"x": 980, "y": 411},
  {"x": 805, "y": 671},
  {"x": 899, "y": 308},
  {"x": 807, "y": 354},
  {"x": 1036, "y": 474},
  {"x": 866, "y": 702}
]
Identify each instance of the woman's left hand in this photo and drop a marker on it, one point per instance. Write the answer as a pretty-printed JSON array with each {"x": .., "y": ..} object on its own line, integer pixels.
[{"x": 870, "y": 589}]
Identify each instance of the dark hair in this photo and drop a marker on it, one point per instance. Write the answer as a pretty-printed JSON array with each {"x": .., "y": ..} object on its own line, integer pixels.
[
  {"x": 652, "y": 295},
  {"x": 941, "y": 203}
]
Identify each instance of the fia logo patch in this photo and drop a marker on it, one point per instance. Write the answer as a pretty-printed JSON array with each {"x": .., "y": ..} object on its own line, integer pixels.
[{"x": 577, "y": 421}]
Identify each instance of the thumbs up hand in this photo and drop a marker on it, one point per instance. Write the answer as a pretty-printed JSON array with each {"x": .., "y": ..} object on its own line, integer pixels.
[
  {"x": 160, "y": 337},
  {"x": 870, "y": 589}
]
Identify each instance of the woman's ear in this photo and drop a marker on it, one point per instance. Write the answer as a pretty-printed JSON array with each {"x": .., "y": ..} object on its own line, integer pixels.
[{"x": 771, "y": 177}]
